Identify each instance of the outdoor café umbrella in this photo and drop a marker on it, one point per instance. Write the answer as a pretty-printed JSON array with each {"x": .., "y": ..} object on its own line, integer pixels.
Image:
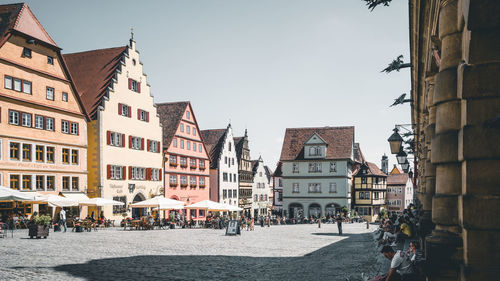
[
  {"x": 158, "y": 201},
  {"x": 8, "y": 194},
  {"x": 59, "y": 201},
  {"x": 209, "y": 206}
]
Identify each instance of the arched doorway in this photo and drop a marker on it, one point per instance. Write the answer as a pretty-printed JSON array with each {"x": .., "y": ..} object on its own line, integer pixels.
[
  {"x": 138, "y": 212},
  {"x": 315, "y": 210},
  {"x": 331, "y": 209},
  {"x": 296, "y": 210}
]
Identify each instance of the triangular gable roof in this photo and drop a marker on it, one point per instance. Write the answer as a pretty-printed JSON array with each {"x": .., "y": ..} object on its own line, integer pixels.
[
  {"x": 214, "y": 142},
  {"x": 339, "y": 139},
  {"x": 238, "y": 146},
  {"x": 92, "y": 73},
  {"x": 269, "y": 174},
  {"x": 397, "y": 179},
  {"x": 371, "y": 169},
  {"x": 395, "y": 171},
  {"x": 312, "y": 136},
  {"x": 278, "y": 172},
  {"x": 20, "y": 18},
  {"x": 170, "y": 116}
]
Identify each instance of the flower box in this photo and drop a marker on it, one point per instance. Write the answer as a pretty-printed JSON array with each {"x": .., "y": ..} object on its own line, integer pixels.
[
  {"x": 193, "y": 167},
  {"x": 173, "y": 184},
  {"x": 184, "y": 185},
  {"x": 184, "y": 165},
  {"x": 173, "y": 164},
  {"x": 202, "y": 185},
  {"x": 193, "y": 186},
  {"x": 38, "y": 231}
]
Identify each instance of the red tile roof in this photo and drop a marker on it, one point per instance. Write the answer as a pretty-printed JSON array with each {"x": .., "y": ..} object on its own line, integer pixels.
[
  {"x": 374, "y": 169},
  {"x": 92, "y": 72},
  {"x": 20, "y": 18},
  {"x": 397, "y": 179},
  {"x": 340, "y": 142},
  {"x": 170, "y": 116}
]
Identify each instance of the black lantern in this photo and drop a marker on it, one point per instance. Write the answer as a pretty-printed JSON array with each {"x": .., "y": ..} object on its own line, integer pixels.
[
  {"x": 410, "y": 174},
  {"x": 405, "y": 166},
  {"x": 395, "y": 141},
  {"x": 401, "y": 156}
]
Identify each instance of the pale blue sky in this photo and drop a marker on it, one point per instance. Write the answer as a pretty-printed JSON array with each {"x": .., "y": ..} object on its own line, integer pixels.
[{"x": 263, "y": 64}]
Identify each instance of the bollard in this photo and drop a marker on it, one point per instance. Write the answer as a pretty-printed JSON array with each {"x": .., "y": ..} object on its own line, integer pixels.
[
  {"x": 319, "y": 223},
  {"x": 367, "y": 225}
]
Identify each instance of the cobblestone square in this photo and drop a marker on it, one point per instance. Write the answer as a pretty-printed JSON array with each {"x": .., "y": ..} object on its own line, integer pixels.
[{"x": 291, "y": 252}]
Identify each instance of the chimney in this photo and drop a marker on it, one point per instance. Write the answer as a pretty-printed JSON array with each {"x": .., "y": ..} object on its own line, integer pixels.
[{"x": 385, "y": 164}]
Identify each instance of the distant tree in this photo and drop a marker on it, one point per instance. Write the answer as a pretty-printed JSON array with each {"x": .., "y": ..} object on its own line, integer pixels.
[{"x": 372, "y": 4}]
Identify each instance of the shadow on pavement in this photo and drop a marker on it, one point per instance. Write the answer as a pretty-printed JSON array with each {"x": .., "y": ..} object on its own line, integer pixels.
[{"x": 337, "y": 261}]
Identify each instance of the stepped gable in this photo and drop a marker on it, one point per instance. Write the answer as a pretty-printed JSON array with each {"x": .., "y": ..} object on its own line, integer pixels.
[
  {"x": 170, "y": 116},
  {"x": 92, "y": 73},
  {"x": 339, "y": 141}
]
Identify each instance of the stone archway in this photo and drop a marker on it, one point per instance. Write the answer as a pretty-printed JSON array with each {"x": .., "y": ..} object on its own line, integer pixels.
[
  {"x": 315, "y": 210},
  {"x": 331, "y": 209},
  {"x": 296, "y": 210},
  {"x": 138, "y": 212}
]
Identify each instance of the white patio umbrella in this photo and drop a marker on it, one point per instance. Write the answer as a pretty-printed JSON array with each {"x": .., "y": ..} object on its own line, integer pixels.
[
  {"x": 101, "y": 202},
  {"x": 158, "y": 201},
  {"x": 59, "y": 201},
  {"x": 209, "y": 206},
  {"x": 8, "y": 194}
]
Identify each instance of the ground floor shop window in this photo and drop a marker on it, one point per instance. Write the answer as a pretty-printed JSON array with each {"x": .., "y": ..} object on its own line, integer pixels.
[
  {"x": 364, "y": 211},
  {"x": 120, "y": 209}
]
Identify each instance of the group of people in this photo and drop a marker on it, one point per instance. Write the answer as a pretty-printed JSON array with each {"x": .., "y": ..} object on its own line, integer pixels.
[{"x": 393, "y": 233}]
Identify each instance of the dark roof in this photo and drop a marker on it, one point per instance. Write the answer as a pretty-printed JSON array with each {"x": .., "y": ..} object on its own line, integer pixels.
[
  {"x": 238, "y": 146},
  {"x": 397, "y": 179},
  {"x": 92, "y": 72},
  {"x": 214, "y": 142},
  {"x": 371, "y": 170},
  {"x": 269, "y": 173},
  {"x": 19, "y": 17},
  {"x": 170, "y": 116},
  {"x": 278, "y": 172},
  {"x": 339, "y": 140}
]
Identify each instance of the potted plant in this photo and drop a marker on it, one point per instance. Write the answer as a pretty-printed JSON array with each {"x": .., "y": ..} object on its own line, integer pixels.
[{"x": 39, "y": 226}]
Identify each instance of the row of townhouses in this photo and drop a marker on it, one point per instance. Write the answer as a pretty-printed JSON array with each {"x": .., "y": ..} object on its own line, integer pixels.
[{"x": 86, "y": 125}]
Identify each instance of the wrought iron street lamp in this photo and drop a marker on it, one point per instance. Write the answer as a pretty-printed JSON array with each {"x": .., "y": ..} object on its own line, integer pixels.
[
  {"x": 405, "y": 166},
  {"x": 402, "y": 156},
  {"x": 395, "y": 142}
]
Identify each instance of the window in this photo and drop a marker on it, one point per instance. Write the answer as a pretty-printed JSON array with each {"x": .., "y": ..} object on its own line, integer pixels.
[
  {"x": 51, "y": 183},
  {"x": 26, "y": 87},
  {"x": 225, "y": 160},
  {"x": 14, "y": 151},
  {"x": 193, "y": 213},
  {"x": 50, "y": 60},
  {"x": 40, "y": 183},
  {"x": 26, "y": 120},
  {"x": 194, "y": 131},
  {"x": 192, "y": 163},
  {"x": 333, "y": 167},
  {"x": 173, "y": 160},
  {"x": 255, "y": 197},
  {"x": 295, "y": 187},
  {"x": 153, "y": 146},
  {"x": 134, "y": 85},
  {"x": 201, "y": 181},
  {"x": 333, "y": 187},
  {"x": 13, "y": 117},
  {"x": 188, "y": 145},
  {"x": 138, "y": 173},
  {"x": 175, "y": 142},
  {"x": 187, "y": 115},
  {"x": 192, "y": 181},
  {"x": 363, "y": 180},
  {"x": 142, "y": 115},
  {"x": 74, "y": 128},
  {"x": 120, "y": 209},
  {"x": 295, "y": 167},
  {"x": 18, "y": 84},
  {"x": 49, "y": 123},
  {"x": 136, "y": 143},
  {"x": 182, "y": 143},
  {"x": 188, "y": 129},
  {"x": 65, "y": 126},
  {"x": 173, "y": 180},
  {"x": 182, "y": 127},
  {"x": 155, "y": 174},
  {"x": 184, "y": 181},
  {"x": 364, "y": 195},
  {"x": 116, "y": 172},
  {"x": 202, "y": 164},
  {"x": 199, "y": 147},
  {"x": 50, "y": 154},
  {"x": 201, "y": 213},
  {"x": 26, "y": 52},
  {"x": 124, "y": 110},
  {"x": 315, "y": 151},
  {"x": 74, "y": 157},
  {"x": 314, "y": 188},
  {"x": 224, "y": 177},
  {"x": 7, "y": 82},
  {"x": 39, "y": 120},
  {"x": 315, "y": 167},
  {"x": 64, "y": 97},
  {"x": 116, "y": 139},
  {"x": 27, "y": 182},
  {"x": 39, "y": 151},
  {"x": 280, "y": 182},
  {"x": 229, "y": 146},
  {"x": 224, "y": 194},
  {"x": 235, "y": 195},
  {"x": 75, "y": 183},
  {"x": 26, "y": 152},
  {"x": 14, "y": 182},
  {"x": 65, "y": 183},
  {"x": 183, "y": 162},
  {"x": 50, "y": 93},
  {"x": 65, "y": 156},
  {"x": 194, "y": 146}
]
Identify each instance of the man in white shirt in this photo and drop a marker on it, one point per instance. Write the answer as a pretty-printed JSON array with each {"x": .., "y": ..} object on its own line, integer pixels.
[
  {"x": 62, "y": 219},
  {"x": 401, "y": 265}
]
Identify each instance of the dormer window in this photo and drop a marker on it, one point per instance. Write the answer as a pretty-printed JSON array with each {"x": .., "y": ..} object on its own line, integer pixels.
[
  {"x": 50, "y": 60},
  {"x": 315, "y": 151},
  {"x": 26, "y": 52}
]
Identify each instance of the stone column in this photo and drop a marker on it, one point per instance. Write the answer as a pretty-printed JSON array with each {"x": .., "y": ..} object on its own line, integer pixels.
[
  {"x": 443, "y": 246},
  {"x": 479, "y": 139}
]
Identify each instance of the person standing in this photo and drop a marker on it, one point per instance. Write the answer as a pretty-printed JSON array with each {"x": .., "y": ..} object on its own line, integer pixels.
[
  {"x": 339, "y": 223},
  {"x": 62, "y": 219}
]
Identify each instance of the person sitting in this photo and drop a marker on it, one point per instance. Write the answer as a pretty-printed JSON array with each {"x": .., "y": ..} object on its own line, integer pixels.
[{"x": 401, "y": 265}]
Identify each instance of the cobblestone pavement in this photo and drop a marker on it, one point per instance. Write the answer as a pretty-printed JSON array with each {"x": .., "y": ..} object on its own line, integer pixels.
[{"x": 291, "y": 252}]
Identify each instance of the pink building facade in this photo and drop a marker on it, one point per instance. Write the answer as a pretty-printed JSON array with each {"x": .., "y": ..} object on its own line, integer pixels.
[
  {"x": 186, "y": 162},
  {"x": 399, "y": 192}
]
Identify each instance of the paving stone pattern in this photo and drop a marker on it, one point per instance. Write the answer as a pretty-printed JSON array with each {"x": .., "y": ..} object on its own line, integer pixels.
[{"x": 291, "y": 252}]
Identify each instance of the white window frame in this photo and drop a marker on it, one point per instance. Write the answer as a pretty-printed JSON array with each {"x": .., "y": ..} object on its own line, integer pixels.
[
  {"x": 8, "y": 80},
  {"x": 295, "y": 187},
  {"x": 14, "y": 117},
  {"x": 26, "y": 119},
  {"x": 49, "y": 126},
  {"x": 333, "y": 187},
  {"x": 65, "y": 126},
  {"x": 50, "y": 93},
  {"x": 39, "y": 125},
  {"x": 74, "y": 128},
  {"x": 64, "y": 97}
]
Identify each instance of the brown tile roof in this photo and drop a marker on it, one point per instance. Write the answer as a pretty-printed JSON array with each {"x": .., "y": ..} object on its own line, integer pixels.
[
  {"x": 20, "y": 18},
  {"x": 170, "y": 116},
  {"x": 369, "y": 168},
  {"x": 397, "y": 179},
  {"x": 358, "y": 154},
  {"x": 340, "y": 142},
  {"x": 214, "y": 141},
  {"x": 92, "y": 72}
]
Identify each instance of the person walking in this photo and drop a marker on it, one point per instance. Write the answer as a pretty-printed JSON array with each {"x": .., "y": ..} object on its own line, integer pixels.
[
  {"x": 62, "y": 219},
  {"x": 339, "y": 223}
]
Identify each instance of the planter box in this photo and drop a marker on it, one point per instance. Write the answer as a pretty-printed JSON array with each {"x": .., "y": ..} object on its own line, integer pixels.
[{"x": 38, "y": 231}]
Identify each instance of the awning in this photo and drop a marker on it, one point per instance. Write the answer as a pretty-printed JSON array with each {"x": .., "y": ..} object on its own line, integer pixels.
[{"x": 79, "y": 197}]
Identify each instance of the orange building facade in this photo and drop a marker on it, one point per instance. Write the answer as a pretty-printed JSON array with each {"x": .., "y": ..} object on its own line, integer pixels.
[
  {"x": 43, "y": 131},
  {"x": 186, "y": 160}
]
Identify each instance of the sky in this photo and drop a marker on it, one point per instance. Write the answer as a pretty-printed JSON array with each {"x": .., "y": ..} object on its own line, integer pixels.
[{"x": 262, "y": 65}]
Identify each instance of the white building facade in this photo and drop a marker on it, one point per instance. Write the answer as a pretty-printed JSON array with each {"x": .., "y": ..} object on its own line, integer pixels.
[
  {"x": 260, "y": 190},
  {"x": 316, "y": 171}
]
